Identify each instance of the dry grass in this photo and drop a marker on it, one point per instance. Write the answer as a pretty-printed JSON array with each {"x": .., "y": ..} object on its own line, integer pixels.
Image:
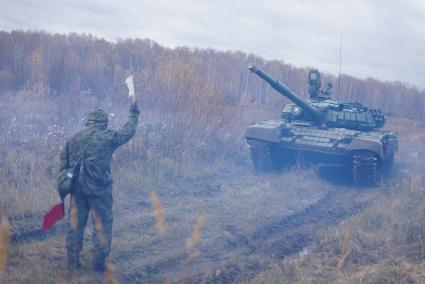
[
  {"x": 98, "y": 226},
  {"x": 268, "y": 190},
  {"x": 196, "y": 233},
  {"x": 4, "y": 242},
  {"x": 344, "y": 244},
  {"x": 383, "y": 244},
  {"x": 109, "y": 277},
  {"x": 158, "y": 213}
]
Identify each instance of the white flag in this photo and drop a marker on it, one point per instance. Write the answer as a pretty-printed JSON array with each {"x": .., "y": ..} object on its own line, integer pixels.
[{"x": 130, "y": 85}]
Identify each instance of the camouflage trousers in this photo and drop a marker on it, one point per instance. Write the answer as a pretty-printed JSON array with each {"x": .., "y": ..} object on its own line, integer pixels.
[{"x": 100, "y": 208}]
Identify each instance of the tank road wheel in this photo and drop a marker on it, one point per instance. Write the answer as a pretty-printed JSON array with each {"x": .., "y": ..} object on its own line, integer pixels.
[
  {"x": 366, "y": 170},
  {"x": 261, "y": 155}
]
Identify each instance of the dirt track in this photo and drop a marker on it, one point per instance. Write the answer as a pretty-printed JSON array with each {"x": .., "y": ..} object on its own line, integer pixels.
[{"x": 236, "y": 244}]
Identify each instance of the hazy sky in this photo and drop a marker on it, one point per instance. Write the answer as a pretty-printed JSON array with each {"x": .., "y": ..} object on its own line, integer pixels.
[{"x": 380, "y": 39}]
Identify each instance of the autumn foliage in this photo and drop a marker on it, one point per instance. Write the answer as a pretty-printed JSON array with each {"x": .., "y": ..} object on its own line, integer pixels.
[{"x": 42, "y": 64}]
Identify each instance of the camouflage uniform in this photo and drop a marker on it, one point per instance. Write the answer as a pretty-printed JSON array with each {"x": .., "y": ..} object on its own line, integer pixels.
[{"x": 92, "y": 148}]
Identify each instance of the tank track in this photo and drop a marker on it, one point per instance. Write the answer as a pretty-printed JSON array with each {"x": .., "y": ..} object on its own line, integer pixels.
[
  {"x": 261, "y": 155},
  {"x": 366, "y": 170}
]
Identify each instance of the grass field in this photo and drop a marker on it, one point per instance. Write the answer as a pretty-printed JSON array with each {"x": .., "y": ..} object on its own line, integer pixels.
[{"x": 188, "y": 207}]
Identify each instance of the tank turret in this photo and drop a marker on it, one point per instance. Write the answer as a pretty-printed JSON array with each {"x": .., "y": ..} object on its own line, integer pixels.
[{"x": 322, "y": 110}]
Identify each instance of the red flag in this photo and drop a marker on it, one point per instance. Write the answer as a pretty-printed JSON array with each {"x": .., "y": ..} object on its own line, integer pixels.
[{"x": 54, "y": 215}]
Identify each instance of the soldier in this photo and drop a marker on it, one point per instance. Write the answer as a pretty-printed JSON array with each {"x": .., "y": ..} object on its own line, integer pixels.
[
  {"x": 91, "y": 151},
  {"x": 314, "y": 83},
  {"x": 327, "y": 93}
]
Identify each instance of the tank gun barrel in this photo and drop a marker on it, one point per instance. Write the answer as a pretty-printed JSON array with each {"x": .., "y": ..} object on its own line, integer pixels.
[{"x": 285, "y": 91}]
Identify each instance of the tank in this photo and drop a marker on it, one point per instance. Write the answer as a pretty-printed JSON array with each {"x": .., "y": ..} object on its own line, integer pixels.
[{"x": 324, "y": 132}]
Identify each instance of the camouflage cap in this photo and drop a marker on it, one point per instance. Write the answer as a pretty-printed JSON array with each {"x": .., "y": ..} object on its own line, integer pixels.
[{"x": 97, "y": 116}]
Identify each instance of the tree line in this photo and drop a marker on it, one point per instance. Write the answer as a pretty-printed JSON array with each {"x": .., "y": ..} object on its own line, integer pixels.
[{"x": 75, "y": 66}]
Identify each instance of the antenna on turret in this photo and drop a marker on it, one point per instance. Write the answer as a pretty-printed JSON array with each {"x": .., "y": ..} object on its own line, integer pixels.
[{"x": 339, "y": 75}]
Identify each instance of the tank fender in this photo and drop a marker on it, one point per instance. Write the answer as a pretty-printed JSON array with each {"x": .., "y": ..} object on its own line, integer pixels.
[
  {"x": 266, "y": 131},
  {"x": 364, "y": 143}
]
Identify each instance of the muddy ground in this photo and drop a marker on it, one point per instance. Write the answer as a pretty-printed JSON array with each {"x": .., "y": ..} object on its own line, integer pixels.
[{"x": 249, "y": 220}]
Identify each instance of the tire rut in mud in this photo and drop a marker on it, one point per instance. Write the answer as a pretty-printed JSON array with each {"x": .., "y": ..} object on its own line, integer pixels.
[
  {"x": 290, "y": 235},
  {"x": 277, "y": 240}
]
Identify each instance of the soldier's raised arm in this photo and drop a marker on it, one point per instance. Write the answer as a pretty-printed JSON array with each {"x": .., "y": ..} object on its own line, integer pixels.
[{"x": 127, "y": 131}]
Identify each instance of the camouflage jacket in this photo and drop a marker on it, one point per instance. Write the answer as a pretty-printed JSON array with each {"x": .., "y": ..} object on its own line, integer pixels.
[{"x": 93, "y": 147}]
